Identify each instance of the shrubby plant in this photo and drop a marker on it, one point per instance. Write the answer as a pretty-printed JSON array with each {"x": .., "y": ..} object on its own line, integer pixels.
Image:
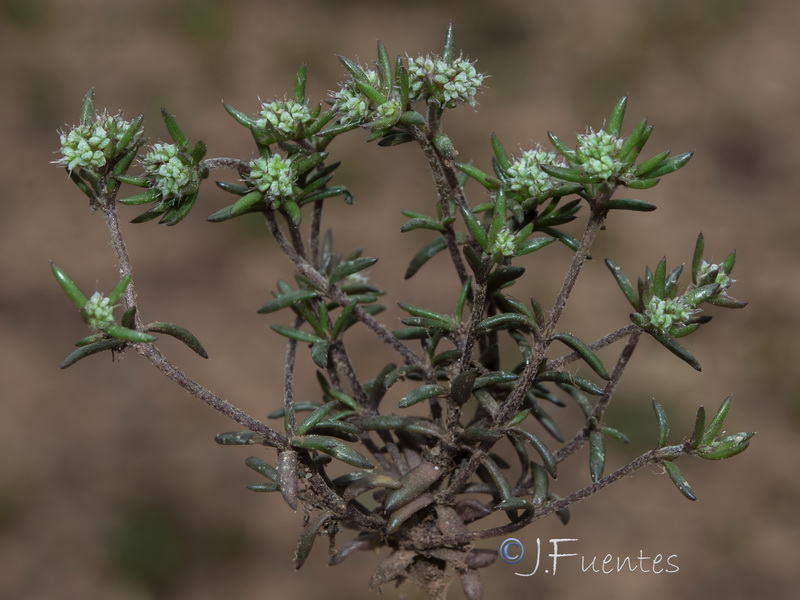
[{"x": 490, "y": 374}]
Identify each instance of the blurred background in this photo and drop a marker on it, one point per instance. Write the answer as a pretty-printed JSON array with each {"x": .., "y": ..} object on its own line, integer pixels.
[{"x": 110, "y": 483}]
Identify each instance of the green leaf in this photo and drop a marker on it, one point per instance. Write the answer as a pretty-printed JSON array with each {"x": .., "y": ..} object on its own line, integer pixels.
[
  {"x": 548, "y": 458},
  {"x": 424, "y": 392},
  {"x": 315, "y": 417},
  {"x": 624, "y": 284},
  {"x": 532, "y": 245},
  {"x": 663, "y": 424},
  {"x": 428, "y": 314},
  {"x": 642, "y": 184},
  {"x": 239, "y": 116},
  {"x": 678, "y": 350},
  {"x": 699, "y": 426},
  {"x": 585, "y": 353},
  {"x": 629, "y": 204},
  {"x": 615, "y": 434},
  {"x": 129, "y": 335},
  {"x": 141, "y": 198},
  {"x": 347, "y": 268},
  {"x": 174, "y": 131},
  {"x": 296, "y": 334},
  {"x": 562, "y": 148},
  {"x": 179, "y": 333},
  {"x": 476, "y": 229},
  {"x": 650, "y": 164},
  {"x": 597, "y": 455},
  {"x": 679, "y": 480},
  {"x": 700, "y": 294},
  {"x": 72, "y": 291},
  {"x": 500, "y": 153},
  {"x": 119, "y": 289},
  {"x": 87, "y": 108},
  {"x": 448, "y": 50},
  {"x": 569, "y": 174},
  {"x": 633, "y": 144},
  {"x": 262, "y": 467},
  {"x": 697, "y": 258},
  {"x": 716, "y": 422},
  {"x": 669, "y": 166},
  {"x": 726, "y": 447},
  {"x": 347, "y": 455},
  {"x": 579, "y": 382},
  {"x": 617, "y": 115},
  {"x": 505, "y": 321},
  {"x": 88, "y": 350},
  {"x": 319, "y": 353},
  {"x": 486, "y": 180},
  {"x": 309, "y": 534},
  {"x": 300, "y": 84},
  {"x": 289, "y": 299}
]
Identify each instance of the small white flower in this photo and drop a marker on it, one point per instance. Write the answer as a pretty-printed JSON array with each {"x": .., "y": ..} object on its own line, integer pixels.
[
  {"x": 664, "y": 314},
  {"x": 285, "y": 116},
  {"x": 454, "y": 82},
  {"x": 98, "y": 311},
  {"x": 89, "y": 146},
  {"x": 166, "y": 171},
  {"x": 274, "y": 176},
  {"x": 505, "y": 243},
  {"x": 525, "y": 173},
  {"x": 597, "y": 152}
]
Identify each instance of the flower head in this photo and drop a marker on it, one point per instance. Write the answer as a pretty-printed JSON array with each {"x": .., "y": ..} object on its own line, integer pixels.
[
  {"x": 664, "y": 314},
  {"x": 98, "y": 311},
  {"x": 274, "y": 176},
  {"x": 286, "y": 117},
  {"x": 597, "y": 152},
  {"x": 91, "y": 146},
  {"x": 354, "y": 106},
  {"x": 451, "y": 82},
  {"x": 168, "y": 173},
  {"x": 525, "y": 174}
]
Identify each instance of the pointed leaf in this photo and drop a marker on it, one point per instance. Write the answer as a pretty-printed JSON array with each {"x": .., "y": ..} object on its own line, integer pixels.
[
  {"x": 679, "y": 480},
  {"x": 179, "y": 333}
]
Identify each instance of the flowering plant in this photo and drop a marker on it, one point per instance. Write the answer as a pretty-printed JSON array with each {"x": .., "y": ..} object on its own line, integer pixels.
[{"x": 417, "y": 483}]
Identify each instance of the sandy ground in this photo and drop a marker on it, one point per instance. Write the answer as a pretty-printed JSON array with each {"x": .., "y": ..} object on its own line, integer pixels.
[{"x": 110, "y": 483}]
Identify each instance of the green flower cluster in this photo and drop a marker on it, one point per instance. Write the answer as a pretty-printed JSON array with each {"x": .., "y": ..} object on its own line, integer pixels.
[
  {"x": 286, "y": 117},
  {"x": 98, "y": 311},
  {"x": 91, "y": 146},
  {"x": 663, "y": 314},
  {"x": 714, "y": 273},
  {"x": 354, "y": 106},
  {"x": 597, "y": 152},
  {"x": 451, "y": 82},
  {"x": 525, "y": 174},
  {"x": 506, "y": 243},
  {"x": 274, "y": 176},
  {"x": 167, "y": 173}
]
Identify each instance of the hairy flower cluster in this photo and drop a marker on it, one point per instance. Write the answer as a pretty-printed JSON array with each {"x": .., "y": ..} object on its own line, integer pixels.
[
  {"x": 90, "y": 146},
  {"x": 505, "y": 243},
  {"x": 451, "y": 82},
  {"x": 721, "y": 278},
  {"x": 167, "y": 172},
  {"x": 287, "y": 117},
  {"x": 274, "y": 176},
  {"x": 98, "y": 311},
  {"x": 597, "y": 152},
  {"x": 525, "y": 174},
  {"x": 354, "y": 106},
  {"x": 664, "y": 314}
]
